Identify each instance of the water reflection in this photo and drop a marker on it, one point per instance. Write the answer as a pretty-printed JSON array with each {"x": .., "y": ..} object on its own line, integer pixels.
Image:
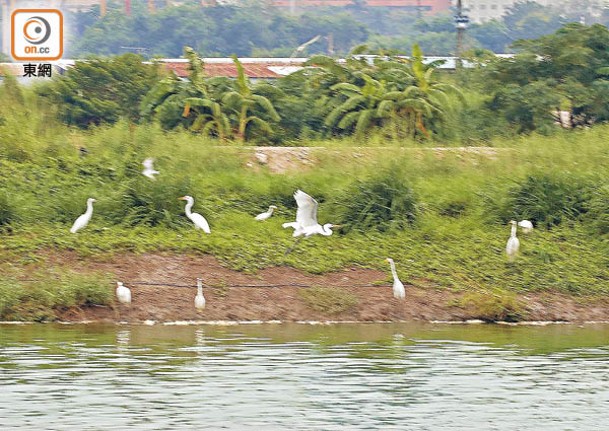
[{"x": 304, "y": 377}]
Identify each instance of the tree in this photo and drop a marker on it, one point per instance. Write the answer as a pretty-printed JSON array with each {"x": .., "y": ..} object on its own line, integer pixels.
[
  {"x": 426, "y": 99},
  {"x": 567, "y": 70},
  {"x": 209, "y": 116},
  {"x": 100, "y": 90},
  {"x": 360, "y": 111},
  {"x": 242, "y": 101}
]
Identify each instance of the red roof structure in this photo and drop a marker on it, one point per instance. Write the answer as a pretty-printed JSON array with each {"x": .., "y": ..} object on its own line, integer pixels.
[{"x": 254, "y": 69}]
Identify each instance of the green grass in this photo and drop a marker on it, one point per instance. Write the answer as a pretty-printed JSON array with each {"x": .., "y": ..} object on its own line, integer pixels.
[
  {"x": 442, "y": 215},
  {"x": 45, "y": 291}
]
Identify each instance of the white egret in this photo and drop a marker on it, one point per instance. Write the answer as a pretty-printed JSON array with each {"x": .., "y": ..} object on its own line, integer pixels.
[
  {"x": 123, "y": 293},
  {"x": 398, "y": 288},
  {"x": 199, "y": 298},
  {"x": 266, "y": 214},
  {"x": 83, "y": 219},
  {"x": 149, "y": 169},
  {"x": 197, "y": 219},
  {"x": 526, "y": 226},
  {"x": 513, "y": 244},
  {"x": 306, "y": 218}
]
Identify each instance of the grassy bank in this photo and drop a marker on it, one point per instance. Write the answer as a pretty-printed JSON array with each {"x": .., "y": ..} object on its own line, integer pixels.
[{"x": 440, "y": 214}]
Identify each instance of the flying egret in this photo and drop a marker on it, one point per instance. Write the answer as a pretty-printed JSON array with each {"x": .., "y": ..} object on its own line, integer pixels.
[
  {"x": 197, "y": 219},
  {"x": 306, "y": 218},
  {"x": 199, "y": 299},
  {"x": 83, "y": 219},
  {"x": 302, "y": 47},
  {"x": 266, "y": 214},
  {"x": 398, "y": 288},
  {"x": 526, "y": 226},
  {"x": 513, "y": 244},
  {"x": 123, "y": 293},
  {"x": 149, "y": 169}
]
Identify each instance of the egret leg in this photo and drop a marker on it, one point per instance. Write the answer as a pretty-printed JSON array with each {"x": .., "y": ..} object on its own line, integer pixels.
[{"x": 289, "y": 250}]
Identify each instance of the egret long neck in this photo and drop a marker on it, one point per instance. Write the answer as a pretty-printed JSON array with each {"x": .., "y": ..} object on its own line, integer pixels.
[
  {"x": 199, "y": 288},
  {"x": 89, "y": 208},
  {"x": 188, "y": 208},
  {"x": 393, "y": 271},
  {"x": 513, "y": 234},
  {"x": 326, "y": 231}
]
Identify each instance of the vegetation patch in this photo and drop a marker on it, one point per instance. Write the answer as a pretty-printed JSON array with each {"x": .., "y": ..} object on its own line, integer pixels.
[
  {"x": 493, "y": 306},
  {"x": 548, "y": 199},
  {"x": 383, "y": 201},
  {"x": 39, "y": 299},
  {"x": 328, "y": 300}
]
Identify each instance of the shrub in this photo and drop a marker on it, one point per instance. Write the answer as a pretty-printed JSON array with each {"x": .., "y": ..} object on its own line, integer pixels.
[
  {"x": 380, "y": 202},
  {"x": 493, "y": 306},
  {"x": 546, "y": 200},
  {"x": 38, "y": 300}
]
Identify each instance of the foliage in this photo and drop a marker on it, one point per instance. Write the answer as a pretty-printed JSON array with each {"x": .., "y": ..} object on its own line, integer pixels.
[
  {"x": 452, "y": 244},
  {"x": 547, "y": 199},
  {"x": 217, "y": 107},
  {"x": 598, "y": 210},
  {"x": 7, "y": 212},
  {"x": 221, "y": 30},
  {"x": 98, "y": 90},
  {"x": 562, "y": 71},
  {"x": 38, "y": 300},
  {"x": 243, "y": 103},
  {"x": 255, "y": 28},
  {"x": 384, "y": 200},
  {"x": 493, "y": 306}
]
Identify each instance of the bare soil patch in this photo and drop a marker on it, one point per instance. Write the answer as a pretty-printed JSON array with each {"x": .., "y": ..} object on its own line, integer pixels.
[{"x": 231, "y": 295}]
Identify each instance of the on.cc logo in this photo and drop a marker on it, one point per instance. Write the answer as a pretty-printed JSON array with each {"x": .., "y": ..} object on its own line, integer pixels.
[
  {"x": 36, "y": 34},
  {"x": 36, "y": 30}
]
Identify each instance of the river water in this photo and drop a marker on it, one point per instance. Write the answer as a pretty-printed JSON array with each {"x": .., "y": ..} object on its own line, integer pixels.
[{"x": 304, "y": 377}]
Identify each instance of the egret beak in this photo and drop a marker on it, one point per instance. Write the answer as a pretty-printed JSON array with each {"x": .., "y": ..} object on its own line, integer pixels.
[
  {"x": 337, "y": 225},
  {"x": 183, "y": 198}
]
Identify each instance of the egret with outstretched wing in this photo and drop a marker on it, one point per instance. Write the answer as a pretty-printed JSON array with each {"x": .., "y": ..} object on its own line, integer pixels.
[
  {"x": 149, "y": 168},
  {"x": 306, "y": 218},
  {"x": 526, "y": 226}
]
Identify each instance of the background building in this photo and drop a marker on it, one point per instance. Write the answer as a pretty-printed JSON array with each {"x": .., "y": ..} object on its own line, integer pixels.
[{"x": 485, "y": 10}]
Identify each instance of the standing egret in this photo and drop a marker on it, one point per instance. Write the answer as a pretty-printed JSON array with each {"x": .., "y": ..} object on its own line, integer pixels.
[
  {"x": 123, "y": 293},
  {"x": 199, "y": 299},
  {"x": 197, "y": 219},
  {"x": 526, "y": 226},
  {"x": 398, "y": 288},
  {"x": 83, "y": 219},
  {"x": 149, "y": 169},
  {"x": 513, "y": 244},
  {"x": 266, "y": 214},
  {"x": 306, "y": 218}
]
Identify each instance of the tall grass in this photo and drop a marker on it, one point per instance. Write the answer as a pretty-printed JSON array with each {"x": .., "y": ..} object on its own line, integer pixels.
[
  {"x": 38, "y": 300},
  {"x": 441, "y": 213}
]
